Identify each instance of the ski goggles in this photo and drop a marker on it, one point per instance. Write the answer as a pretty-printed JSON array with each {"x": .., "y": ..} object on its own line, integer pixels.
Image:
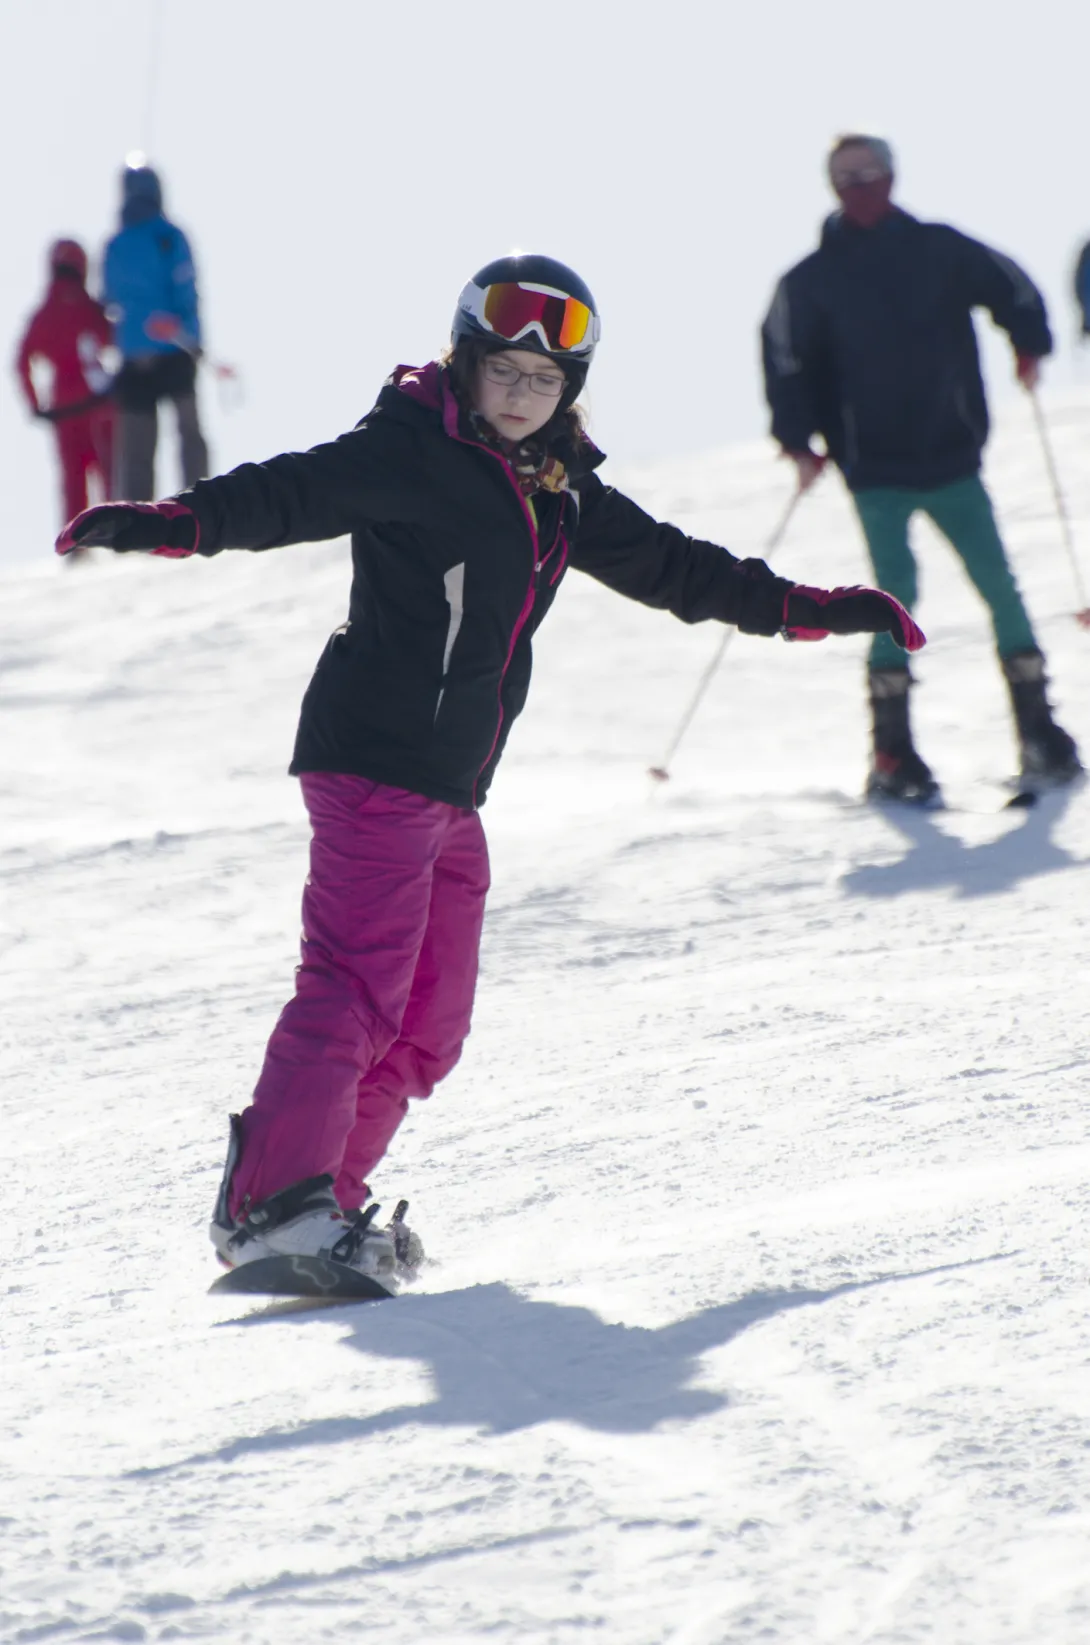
[{"x": 512, "y": 311}]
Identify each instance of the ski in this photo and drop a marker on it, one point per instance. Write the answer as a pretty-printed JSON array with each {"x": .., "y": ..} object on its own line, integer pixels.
[{"x": 1020, "y": 796}]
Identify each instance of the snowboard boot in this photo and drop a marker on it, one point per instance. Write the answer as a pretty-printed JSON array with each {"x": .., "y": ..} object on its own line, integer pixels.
[
  {"x": 306, "y": 1220},
  {"x": 1049, "y": 757},
  {"x": 897, "y": 771}
]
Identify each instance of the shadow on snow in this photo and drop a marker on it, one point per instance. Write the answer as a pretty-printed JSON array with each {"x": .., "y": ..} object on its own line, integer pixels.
[
  {"x": 935, "y": 858},
  {"x": 502, "y": 1362}
]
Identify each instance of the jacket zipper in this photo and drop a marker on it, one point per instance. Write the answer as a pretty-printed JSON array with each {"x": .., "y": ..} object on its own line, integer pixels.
[
  {"x": 528, "y": 603},
  {"x": 555, "y": 578},
  {"x": 527, "y": 606}
]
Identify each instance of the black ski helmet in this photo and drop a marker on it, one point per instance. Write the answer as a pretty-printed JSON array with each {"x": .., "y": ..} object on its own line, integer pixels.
[{"x": 532, "y": 302}]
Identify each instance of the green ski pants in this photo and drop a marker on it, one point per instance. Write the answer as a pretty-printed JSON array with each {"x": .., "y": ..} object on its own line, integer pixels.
[{"x": 963, "y": 513}]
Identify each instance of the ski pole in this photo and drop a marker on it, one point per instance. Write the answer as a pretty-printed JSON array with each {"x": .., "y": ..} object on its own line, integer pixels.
[
  {"x": 80, "y": 408},
  {"x": 168, "y": 329},
  {"x": 229, "y": 384},
  {"x": 1082, "y": 616},
  {"x": 661, "y": 773}
]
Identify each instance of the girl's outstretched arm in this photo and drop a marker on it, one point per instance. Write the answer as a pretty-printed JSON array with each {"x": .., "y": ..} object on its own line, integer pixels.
[
  {"x": 300, "y": 497},
  {"x": 658, "y": 565}
]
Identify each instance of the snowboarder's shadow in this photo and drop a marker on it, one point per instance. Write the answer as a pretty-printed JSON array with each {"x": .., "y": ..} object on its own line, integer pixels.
[
  {"x": 936, "y": 857},
  {"x": 500, "y": 1362}
]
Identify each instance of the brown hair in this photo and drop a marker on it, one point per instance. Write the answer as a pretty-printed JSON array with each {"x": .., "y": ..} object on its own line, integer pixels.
[{"x": 462, "y": 359}]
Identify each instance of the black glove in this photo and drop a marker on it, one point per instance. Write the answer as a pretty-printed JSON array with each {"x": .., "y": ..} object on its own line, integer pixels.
[
  {"x": 813, "y": 613},
  {"x": 167, "y": 528}
]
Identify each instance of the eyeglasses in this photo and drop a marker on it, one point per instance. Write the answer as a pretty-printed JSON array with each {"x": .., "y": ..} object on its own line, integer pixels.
[
  {"x": 857, "y": 176},
  {"x": 509, "y": 310},
  {"x": 548, "y": 383}
]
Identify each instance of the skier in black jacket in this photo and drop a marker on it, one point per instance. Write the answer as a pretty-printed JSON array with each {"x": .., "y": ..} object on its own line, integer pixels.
[
  {"x": 467, "y": 491},
  {"x": 1082, "y": 290},
  {"x": 869, "y": 342}
]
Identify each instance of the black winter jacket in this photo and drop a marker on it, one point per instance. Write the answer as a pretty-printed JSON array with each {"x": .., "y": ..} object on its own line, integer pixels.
[
  {"x": 453, "y": 572},
  {"x": 869, "y": 342},
  {"x": 1082, "y": 289}
]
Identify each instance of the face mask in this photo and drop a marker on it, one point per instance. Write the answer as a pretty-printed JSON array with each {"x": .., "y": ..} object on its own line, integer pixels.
[{"x": 866, "y": 203}]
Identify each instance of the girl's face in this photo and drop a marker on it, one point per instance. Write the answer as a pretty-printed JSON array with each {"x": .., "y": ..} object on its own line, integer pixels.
[{"x": 517, "y": 391}]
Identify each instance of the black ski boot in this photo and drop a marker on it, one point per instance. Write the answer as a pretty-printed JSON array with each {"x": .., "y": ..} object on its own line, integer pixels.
[
  {"x": 897, "y": 772},
  {"x": 1048, "y": 755}
]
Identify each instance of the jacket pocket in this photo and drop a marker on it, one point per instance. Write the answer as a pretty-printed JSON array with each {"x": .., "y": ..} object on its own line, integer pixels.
[
  {"x": 961, "y": 401},
  {"x": 851, "y": 434},
  {"x": 454, "y": 582}
]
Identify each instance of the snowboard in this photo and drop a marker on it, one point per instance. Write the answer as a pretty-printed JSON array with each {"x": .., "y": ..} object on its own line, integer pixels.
[{"x": 300, "y": 1277}]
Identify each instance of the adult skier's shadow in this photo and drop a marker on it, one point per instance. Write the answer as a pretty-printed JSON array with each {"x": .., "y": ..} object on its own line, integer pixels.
[
  {"x": 936, "y": 858},
  {"x": 501, "y": 1362}
]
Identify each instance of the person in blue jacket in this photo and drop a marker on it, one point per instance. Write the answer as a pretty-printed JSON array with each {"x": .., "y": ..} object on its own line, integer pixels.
[
  {"x": 150, "y": 291},
  {"x": 869, "y": 343}
]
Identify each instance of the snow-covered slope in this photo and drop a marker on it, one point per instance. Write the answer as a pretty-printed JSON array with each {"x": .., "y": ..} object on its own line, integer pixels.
[{"x": 759, "y": 1199}]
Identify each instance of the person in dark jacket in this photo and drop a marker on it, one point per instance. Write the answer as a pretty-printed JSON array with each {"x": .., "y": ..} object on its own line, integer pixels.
[
  {"x": 70, "y": 334},
  {"x": 869, "y": 343},
  {"x": 1082, "y": 290},
  {"x": 150, "y": 290},
  {"x": 469, "y": 491}
]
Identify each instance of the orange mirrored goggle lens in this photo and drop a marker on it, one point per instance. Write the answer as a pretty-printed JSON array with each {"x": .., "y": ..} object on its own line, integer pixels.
[
  {"x": 510, "y": 311},
  {"x": 576, "y": 323}
]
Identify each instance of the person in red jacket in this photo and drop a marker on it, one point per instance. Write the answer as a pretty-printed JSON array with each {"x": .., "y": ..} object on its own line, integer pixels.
[{"x": 69, "y": 333}]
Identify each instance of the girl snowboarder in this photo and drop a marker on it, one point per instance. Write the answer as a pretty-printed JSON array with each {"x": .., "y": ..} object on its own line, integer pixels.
[{"x": 468, "y": 492}]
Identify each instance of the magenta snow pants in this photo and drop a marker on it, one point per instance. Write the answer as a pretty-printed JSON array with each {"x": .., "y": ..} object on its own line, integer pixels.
[{"x": 392, "y": 914}]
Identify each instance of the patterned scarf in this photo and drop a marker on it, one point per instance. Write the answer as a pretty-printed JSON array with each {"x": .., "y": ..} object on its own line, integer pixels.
[{"x": 536, "y": 468}]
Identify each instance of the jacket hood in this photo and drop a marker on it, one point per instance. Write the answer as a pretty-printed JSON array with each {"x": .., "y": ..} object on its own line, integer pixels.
[
  {"x": 420, "y": 383},
  {"x": 141, "y": 195},
  {"x": 67, "y": 258}
]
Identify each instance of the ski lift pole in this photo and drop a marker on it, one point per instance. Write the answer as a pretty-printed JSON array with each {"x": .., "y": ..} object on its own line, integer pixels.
[
  {"x": 1082, "y": 616},
  {"x": 155, "y": 54},
  {"x": 661, "y": 773}
]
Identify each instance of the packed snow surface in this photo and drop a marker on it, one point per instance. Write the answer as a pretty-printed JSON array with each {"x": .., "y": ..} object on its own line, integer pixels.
[{"x": 758, "y": 1203}]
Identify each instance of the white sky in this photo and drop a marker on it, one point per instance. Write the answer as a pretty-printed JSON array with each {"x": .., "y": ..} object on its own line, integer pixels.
[{"x": 343, "y": 165}]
